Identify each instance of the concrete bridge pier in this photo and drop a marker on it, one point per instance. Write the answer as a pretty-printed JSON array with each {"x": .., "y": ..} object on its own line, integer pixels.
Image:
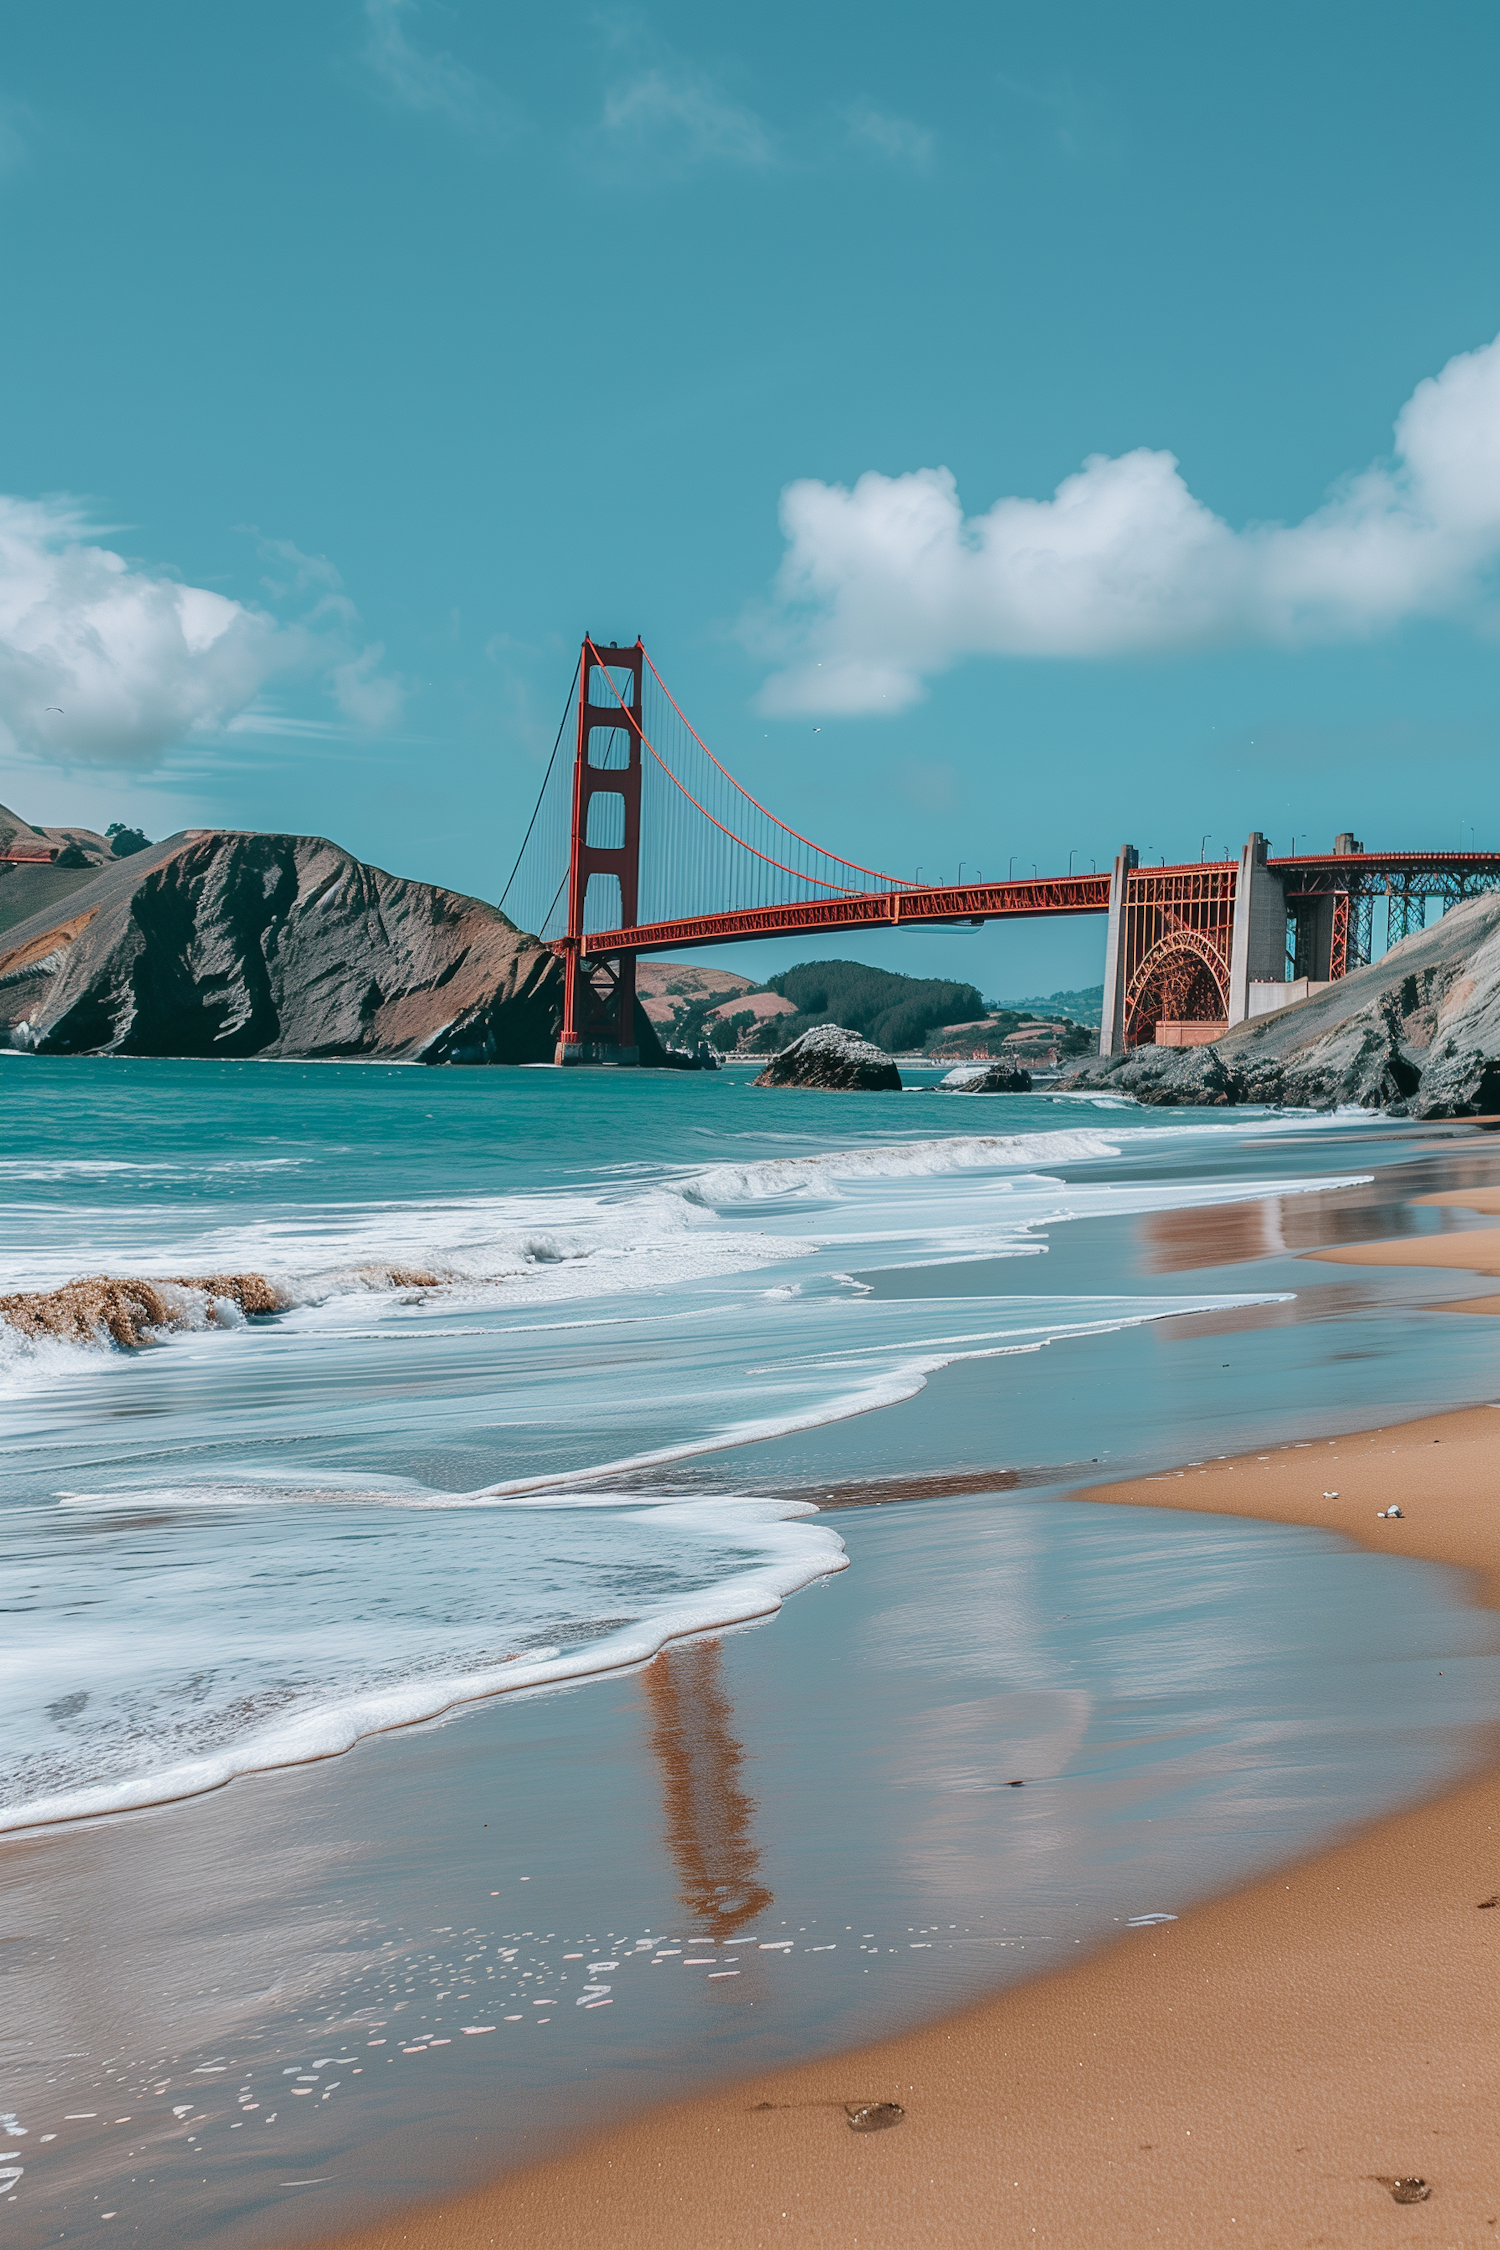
[
  {"x": 1258, "y": 949},
  {"x": 1112, "y": 1018}
]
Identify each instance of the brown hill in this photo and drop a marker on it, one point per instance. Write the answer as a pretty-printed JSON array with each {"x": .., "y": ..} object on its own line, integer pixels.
[
  {"x": 240, "y": 943},
  {"x": 28, "y": 888}
]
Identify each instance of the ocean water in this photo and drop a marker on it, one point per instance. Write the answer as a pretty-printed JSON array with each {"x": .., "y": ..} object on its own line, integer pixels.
[
  {"x": 570, "y": 1369},
  {"x": 256, "y": 1541}
]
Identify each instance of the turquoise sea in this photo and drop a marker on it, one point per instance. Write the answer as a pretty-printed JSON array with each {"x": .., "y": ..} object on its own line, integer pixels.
[{"x": 577, "y": 1367}]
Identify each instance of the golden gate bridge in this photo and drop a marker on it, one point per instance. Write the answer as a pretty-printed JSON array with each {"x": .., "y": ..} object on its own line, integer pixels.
[{"x": 644, "y": 842}]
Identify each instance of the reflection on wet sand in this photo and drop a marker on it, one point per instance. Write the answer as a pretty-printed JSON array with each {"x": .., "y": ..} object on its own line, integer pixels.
[
  {"x": 1340, "y": 1302},
  {"x": 1396, "y": 1204},
  {"x": 1272, "y": 1226},
  {"x": 708, "y": 1814}
]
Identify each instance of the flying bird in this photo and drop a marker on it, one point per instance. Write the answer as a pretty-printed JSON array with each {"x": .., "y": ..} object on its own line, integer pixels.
[{"x": 57, "y": 707}]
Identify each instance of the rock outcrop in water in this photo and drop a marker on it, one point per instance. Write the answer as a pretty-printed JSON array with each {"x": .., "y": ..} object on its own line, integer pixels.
[
  {"x": 836, "y": 1060},
  {"x": 986, "y": 1078},
  {"x": 241, "y": 943},
  {"x": 131, "y": 1311},
  {"x": 1417, "y": 1032}
]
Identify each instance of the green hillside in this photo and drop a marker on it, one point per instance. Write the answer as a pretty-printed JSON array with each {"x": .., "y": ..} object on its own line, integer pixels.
[{"x": 897, "y": 1012}]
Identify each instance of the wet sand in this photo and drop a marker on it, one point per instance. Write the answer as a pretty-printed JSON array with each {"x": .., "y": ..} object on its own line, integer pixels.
[
  {"x": 1476, "y": 1250},
  {"x": 1268, "y": 2070}
]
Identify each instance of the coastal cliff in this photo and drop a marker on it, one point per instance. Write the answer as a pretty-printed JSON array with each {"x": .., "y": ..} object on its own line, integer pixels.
[
  {"x": 243, "y": 943},
  {"x": 1416, "y": 1033}
]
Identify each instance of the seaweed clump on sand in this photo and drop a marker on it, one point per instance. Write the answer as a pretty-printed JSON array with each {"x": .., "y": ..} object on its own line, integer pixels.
[{"x": 131, "y": 1312}]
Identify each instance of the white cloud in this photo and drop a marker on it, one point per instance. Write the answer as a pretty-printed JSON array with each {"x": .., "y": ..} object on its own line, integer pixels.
[
  {"x": 673, "y": 117},
  {"x": 434, "y": 84},
  {"x": 265, "y": 719},
  {"x": 372, "y": 699},
  {"x": 896, "y": 139},
  {"x": 298, "y": 573},
  {"x": 103, "y": 663},
  {"x": 889, "y": 583}
]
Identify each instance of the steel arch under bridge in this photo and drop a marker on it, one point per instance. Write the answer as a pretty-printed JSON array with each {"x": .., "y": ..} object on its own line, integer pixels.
[{"x": 1193, "y": 950}]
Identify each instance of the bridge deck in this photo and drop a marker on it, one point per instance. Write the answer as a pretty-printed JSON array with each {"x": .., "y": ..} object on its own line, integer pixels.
[{"x": 929, "y": 905}]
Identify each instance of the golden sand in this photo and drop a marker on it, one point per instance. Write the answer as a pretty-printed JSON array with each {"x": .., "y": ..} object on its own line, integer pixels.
[{"x": 1271, "y": 2070}]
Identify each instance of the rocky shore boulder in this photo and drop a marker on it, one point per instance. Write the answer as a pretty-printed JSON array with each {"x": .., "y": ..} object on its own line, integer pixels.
[
  {"x": 243, "y": 943},
  {"x": 986, "y": 1078},
  {"x": 834, "y": 1059},
  {"x": 1416, "y": 1033}
]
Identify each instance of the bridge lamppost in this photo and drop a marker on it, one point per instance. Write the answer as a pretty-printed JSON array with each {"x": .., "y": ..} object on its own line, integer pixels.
[
  {"x": 1073, "y": 854},
  {"x": 1202, "y": 848},
  {"x": 1010, "y": 873}
]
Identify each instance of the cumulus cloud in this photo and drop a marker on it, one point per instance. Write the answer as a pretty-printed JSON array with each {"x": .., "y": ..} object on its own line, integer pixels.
[
  {"x": 372, "y": 699},
  {"x": 673, "y": 117},
  {"x": 104, "y": 663},
  {"x": 896, "y": 139},
  {"x": 886, "y": 585},
  {"x": 432, "y": 84}
]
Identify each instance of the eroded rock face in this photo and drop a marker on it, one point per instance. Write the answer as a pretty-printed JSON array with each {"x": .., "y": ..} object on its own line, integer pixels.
[
  {"x": 837, "y": 1060},
  {"x": 986, "y": 1078},
  {"x": 1418, "y": 1032},
  {"x": 228, "y": 943}
]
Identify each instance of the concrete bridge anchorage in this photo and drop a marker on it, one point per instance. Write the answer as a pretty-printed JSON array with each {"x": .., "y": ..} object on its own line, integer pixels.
[{"x": 1193, "y": 950}]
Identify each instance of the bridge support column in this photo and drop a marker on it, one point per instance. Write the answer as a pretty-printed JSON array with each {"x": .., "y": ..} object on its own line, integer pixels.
[
  {"x": 598, "y": 1023},
  {"x": 1258, "y": 950},
  {"x": 1112, "y": 1019}
]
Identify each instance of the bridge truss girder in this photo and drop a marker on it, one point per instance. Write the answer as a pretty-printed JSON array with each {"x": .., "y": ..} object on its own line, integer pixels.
[{"x": 1404, "y": 882}]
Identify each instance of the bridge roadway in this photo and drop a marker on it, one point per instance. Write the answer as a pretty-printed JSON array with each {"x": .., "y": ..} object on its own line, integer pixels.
[
  {"x": 926, "y": 905},
  {"x": 883, "y": 910}
]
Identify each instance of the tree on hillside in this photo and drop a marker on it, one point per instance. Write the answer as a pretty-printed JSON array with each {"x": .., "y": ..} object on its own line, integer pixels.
[
  {"x": 897, "y": 1012},
  {"x": 123, "y": 841}
]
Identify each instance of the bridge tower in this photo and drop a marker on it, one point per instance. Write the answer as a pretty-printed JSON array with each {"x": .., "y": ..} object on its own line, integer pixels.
[{"x": 599, "y": 989}]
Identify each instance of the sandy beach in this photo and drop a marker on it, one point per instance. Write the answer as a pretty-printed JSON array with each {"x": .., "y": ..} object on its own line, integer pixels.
[
  {"x": 1271, "y": 2069},
  {"x": 1244, "y": 1723}
]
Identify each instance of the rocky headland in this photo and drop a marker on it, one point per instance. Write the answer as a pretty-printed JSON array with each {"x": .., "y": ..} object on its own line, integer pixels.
[
  {"x": 835, "y": 1060},
  {"x": 238, "y": 943},
  {"x": 1416, "y": 1033}
]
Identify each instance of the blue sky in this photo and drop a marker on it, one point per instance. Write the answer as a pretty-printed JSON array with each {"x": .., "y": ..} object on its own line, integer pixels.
[{"x": 427, "y": 336}]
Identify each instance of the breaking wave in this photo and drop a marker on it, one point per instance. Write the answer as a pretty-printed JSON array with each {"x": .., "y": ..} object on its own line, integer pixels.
[{"x": 195, "y": 1694}]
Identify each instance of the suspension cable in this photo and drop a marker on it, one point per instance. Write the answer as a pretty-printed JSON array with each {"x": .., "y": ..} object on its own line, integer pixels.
[
  {"x": 837, "y": 857},
  {"x": 820, "y": 882},
  {"x": 541, "y": 793},
  {"x": 556, "y": 895}
]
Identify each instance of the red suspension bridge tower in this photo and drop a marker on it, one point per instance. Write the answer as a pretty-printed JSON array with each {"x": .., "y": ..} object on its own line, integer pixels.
[
  {"x": 599, "y": 988},
  {"x": 649, "y": 822}
]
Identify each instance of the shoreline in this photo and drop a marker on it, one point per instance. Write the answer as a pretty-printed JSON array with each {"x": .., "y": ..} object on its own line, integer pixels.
[{"x": 1265, "y": 2070}]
